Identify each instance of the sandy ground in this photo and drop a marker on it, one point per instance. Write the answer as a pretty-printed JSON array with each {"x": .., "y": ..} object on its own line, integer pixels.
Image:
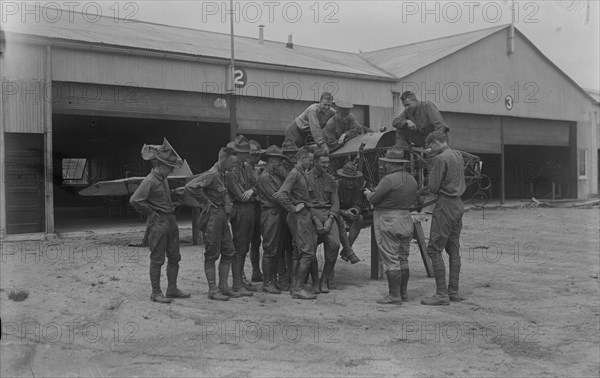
[{"x": 530, "y": 278}]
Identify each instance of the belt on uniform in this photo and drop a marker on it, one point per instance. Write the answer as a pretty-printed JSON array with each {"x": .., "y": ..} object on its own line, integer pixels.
[
  {"x": 387, "y": 208},
  {"x": 321, "y": 207}
]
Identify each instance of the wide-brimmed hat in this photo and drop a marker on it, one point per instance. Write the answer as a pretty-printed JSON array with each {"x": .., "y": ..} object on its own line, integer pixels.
[
  {"x": 240, "y": 144},
  {"x": 273, "y": 151},
  {"x": 165, "y": 154},
  {"x": 344, "y": 105},
  {"x": 394, "y": 155},
  {"x": 349, "y": 170},
  {"x": 289, "y": 146},
  {"x": 255, "y": 148}
]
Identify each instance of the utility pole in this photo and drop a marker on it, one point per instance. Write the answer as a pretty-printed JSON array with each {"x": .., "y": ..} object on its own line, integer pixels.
[{"x": 231, "y": 84}]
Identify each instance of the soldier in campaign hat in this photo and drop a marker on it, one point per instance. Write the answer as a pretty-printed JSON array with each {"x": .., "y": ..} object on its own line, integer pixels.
[
  {"x": 395, "y": 194},
  {"x": 154, "y": 199},
  {"x": 241, "y": 186},
  {"x": 253, "y": 162}
]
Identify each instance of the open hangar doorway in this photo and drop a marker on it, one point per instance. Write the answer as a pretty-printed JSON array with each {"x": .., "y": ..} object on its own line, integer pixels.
[{"x": 88, "y": 149}]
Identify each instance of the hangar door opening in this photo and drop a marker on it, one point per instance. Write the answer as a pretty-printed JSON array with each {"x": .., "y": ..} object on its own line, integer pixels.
[{"x": 88, "y": 149}]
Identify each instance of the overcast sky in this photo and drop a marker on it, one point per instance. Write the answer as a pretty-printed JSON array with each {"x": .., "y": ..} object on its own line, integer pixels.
[{"x": 566, "y": 31}]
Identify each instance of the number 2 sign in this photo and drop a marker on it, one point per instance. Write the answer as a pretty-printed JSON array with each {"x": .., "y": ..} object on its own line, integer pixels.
[{"x": 239, "y": 78}]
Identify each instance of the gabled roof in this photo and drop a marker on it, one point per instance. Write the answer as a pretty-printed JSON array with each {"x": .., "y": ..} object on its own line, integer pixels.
[
  {"x": 401, "y": 61},
  {"x": 108, "y": 31}
]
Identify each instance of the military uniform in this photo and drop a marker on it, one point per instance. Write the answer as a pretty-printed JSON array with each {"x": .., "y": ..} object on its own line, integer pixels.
[
  {"x": 293, "y": 192},
  {"x": 426, "y": 116},
  {"x": 153, "y": 199},
  {"x": 310, "y": 122},
  {"x": 323, "y": 190},
  {"x": 272, "y": 221},
  {"x": 447, "y": 180},
  {"x": 238, "y": 180},
  {"x": 393, "y": 225},
  {"x": 209, "y": 188}
]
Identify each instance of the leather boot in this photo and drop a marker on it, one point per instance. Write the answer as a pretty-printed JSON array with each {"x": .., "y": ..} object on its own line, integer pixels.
[
  {"x": 157, "y": 295},
  {"x": 453, "y": 277},
  {"x": 351, "y": 256},
  {"x": 327, "y": 271},
  {"x": 393, "y": 277},
  {"x": 404, "y": 284},
  {"x": 299, "y": 291},
  {"x": 224, "y": 289},
  {"x": 172, "y": 290},
  {"x": 213, "y": 292},
  {"x": 294, "y": 276},
  {"x": 236, "y": 271},
  {"x": 283, "y": 276},
  {"x": 314, "y": 273},
  {"x": 439, "y": 270},
  {"x": 257, "y": 276},
  {"x": 267, "y": 276}
]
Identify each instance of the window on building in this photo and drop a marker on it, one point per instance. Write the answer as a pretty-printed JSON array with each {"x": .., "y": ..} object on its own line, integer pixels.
[
  {"x": 582, "y": 163},
  {"x": 75, "y": 171}
]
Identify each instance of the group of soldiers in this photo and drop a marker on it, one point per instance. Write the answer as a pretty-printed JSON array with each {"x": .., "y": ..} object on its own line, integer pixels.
[{"x": 293, "y": 203}]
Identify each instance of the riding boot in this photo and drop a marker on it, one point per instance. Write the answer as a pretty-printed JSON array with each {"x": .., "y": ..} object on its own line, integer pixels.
[
  {"x": 404, "y": 284},
  {"x": 393, "y": 277},
  {"x": 268, "y": 286},
  {"x": 257, "y": 276},
  {"x": 236, "y": 271},
  {"x": 224, "y": 289},
  {"x": 172, "y": 290},
  {"x": 453, "y": 276},
  {"x": 439, "y": 270},
  {"x": 209, "y": 270},
  {"x": 157, "y": 295},
  {"x": 294, "y": 276},
  {"x": 314, "y": 273},
  {"x": 325, "y": 276},
  {"x": 283, "y": 276},
  {"x": 299, "y": 291}
]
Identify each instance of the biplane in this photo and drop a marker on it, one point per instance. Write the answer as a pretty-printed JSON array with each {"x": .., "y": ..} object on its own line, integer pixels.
[{"x": 366, "y": 149}]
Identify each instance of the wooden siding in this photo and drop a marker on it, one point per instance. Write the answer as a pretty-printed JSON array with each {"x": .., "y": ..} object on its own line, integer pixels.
[
  {"x": 95, "y": 99},
  {"x": 23, "y": 87},
  {"x": 471, "y": 80},
  {"x": 163, "y": 73}
]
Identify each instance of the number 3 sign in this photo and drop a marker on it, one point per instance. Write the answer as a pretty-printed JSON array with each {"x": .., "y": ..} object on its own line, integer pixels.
[{"x": 508, "y": 102}]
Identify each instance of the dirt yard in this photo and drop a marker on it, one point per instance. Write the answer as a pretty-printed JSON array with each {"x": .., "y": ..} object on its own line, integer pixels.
[{"x": 529, "y": 275}]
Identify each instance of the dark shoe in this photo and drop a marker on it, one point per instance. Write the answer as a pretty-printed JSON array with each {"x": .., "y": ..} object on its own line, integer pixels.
[
  {"x": 160, "y": 298},
  {"x": 242, "y": 291},
  {"x": 232, "y": 294},
  {"x": 344, "y": 255},
  {"x": 283, "y": 286},
  {"x": 326, "y": 276},
  {"x": 390, "y": 300},
  {"x": 218, "y": 296},
  {"x": 176, "y": 293},
  {"x": 456, "y": 297},
  {"x": 248, "y": 285},
  {"x": 436, "y": 300},
  {"x": 303, "y": 294},
  {"x": 352, "y": 257},
  {"x": 271, "y": 289}
]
